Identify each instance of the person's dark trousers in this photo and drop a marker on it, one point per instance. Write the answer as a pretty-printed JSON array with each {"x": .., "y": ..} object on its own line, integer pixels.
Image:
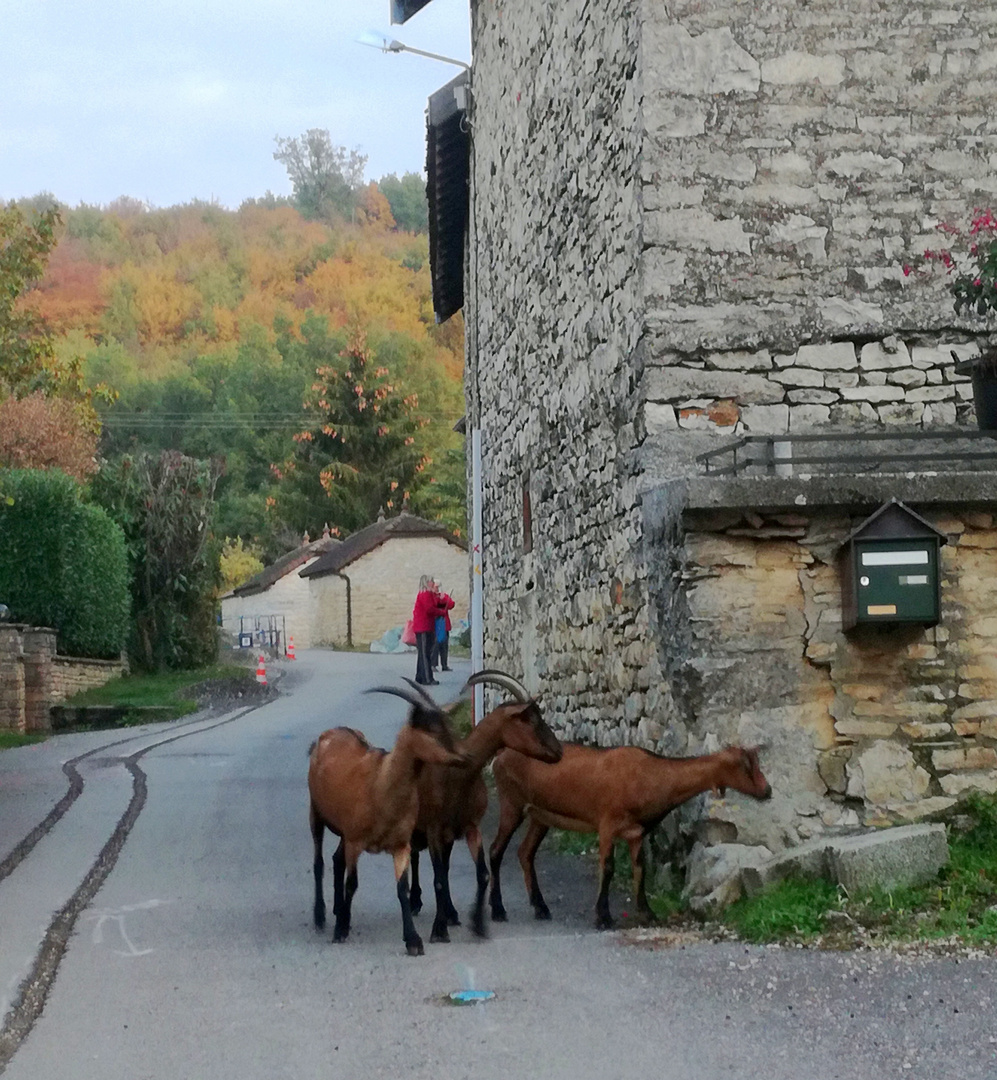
[
  {"x": 443, "y": 648},
  {"x": 434, "y": 652},
  {"x": 423, "y": 670}
]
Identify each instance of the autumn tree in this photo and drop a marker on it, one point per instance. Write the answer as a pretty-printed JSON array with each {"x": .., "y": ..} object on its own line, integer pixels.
[
  {"x": 46, "y": 433},
  {"x": 26, "y": 352},
  {"x": 325, "y": 178},
  {"x": 358, "y": 453},
  {"x": 238, "y": 563}
]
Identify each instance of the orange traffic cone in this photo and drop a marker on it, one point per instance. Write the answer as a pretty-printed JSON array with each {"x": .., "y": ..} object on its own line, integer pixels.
[
  {"x": 290, "y": 648},
  {"x": 261, "y": 671}
]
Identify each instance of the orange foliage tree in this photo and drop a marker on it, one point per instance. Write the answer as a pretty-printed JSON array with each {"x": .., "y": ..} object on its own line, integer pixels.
[{"x": 37, "y": 432}]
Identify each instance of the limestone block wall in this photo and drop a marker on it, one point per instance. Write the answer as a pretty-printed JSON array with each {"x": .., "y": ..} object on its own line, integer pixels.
[
  {"x": 795, "y": 159},
  {"x": 554, "y": 356},
  {"x": 71, "y": 675},
  {"x": 882, "y": 725},
  {"x": 11, "y": 679},
  {"x": 33, "y": 678}
]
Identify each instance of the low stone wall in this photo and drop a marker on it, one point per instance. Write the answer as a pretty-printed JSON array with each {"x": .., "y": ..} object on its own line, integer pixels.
[
  {"x": 33, "y": 678},
  {"x": 72, "y": 675}
]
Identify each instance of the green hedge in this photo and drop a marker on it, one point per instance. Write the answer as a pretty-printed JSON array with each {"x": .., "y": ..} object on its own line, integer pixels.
[{"x": 63, "y": 563}]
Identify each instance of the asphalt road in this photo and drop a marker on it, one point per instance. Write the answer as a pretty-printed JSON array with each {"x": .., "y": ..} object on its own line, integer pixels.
[{"x": 161, "y": 930}]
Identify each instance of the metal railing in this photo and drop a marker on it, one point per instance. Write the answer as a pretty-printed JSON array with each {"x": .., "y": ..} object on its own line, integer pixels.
[{"x": 853, "y": 452}]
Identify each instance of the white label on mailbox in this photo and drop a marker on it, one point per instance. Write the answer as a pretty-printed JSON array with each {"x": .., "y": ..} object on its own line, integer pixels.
[
  {"x": 895, "y": 558},
  {"x": 913, "y": 579}
]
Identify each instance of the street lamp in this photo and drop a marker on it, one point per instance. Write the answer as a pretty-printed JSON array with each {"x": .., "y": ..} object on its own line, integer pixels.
[{"x": 387, "y": 44}]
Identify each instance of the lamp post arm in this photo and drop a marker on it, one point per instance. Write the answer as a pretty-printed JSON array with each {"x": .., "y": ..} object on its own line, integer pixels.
[{"x": 397, "y": 46}]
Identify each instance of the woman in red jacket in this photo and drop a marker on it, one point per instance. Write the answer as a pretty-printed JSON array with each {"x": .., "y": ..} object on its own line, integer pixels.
[{"x": 427, "y": 607}]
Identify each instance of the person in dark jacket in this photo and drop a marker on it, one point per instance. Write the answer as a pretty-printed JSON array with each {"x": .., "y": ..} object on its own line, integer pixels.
[
  {"x": 427, "y": 607},
  {"x": 441, "y": 642}
]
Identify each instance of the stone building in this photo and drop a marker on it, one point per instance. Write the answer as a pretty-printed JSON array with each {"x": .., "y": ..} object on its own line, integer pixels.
[
  {"x": 277, "y": 596},
  {"x": 367, "y": 585},
  {"x": 688, "y": 223}
]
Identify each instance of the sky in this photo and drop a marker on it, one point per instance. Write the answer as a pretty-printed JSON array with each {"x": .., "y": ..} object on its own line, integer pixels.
[{"x": 182, "y": 100}]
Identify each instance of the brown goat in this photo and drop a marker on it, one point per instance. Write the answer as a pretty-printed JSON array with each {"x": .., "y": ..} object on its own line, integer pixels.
[
  {"x": 368, "y": 798},
  {"x": 452, "y": 801},
  {"x": 621, "y": 793}
]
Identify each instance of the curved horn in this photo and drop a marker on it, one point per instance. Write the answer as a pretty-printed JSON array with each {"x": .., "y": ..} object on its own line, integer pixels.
[
  {"x": 415, "y": 700},
  {"x": 500, "y": 678},
  {"x": 422, "y": 693}
]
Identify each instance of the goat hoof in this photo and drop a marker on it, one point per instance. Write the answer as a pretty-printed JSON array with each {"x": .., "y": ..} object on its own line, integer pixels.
[
  {"x": 453, "y": 920},
  {"x": 415, "y": 907},
  {"x": 414, "y": 948},
  {"x": 541, "y": 913},
  {"x": 439, "y": 937},
  {"x": 605, "y": 923},
  {"x": 499, "y": 915},
  {"x": 320, "y": 918}
]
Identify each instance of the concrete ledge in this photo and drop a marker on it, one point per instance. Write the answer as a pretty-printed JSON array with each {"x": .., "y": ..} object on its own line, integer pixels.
[
  {"x": 840, "y": 490},
  {"x": 909, "y": 855},
  {"x": 888, "y": 858}
]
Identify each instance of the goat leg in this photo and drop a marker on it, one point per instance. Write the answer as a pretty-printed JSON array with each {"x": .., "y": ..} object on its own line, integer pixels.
[
  {"x": 535, "y": 833},
  {"x": 453, "y": 916},
  {"x": 344, "y": 907},
  {"x": 475, "y": 845},
  {"x": 338, "y": 877},
  {"x": 436, "y": 852},
  {"x": 603, "y": 920},
  {"x": 318, "y": 866},
  {"x": 415, "y": 893},
  {"x": 510, "y": 818},
  {"x": 637, "y": 863},
  {"x": 413, "y": 943}
]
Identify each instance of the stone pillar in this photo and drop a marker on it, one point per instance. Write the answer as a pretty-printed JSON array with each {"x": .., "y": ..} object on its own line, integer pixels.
[
  {"x": 39, "y": 678},
  {"x": 11, "y": 679}
]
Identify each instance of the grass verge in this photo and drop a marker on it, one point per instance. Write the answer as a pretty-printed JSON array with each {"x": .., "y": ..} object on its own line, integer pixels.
[
  {"x": 175, "y": 692},
  {"x": 957, "y": 909},
  {"x": 959, "y": 906},
  {"x": 11, "y": 739}
]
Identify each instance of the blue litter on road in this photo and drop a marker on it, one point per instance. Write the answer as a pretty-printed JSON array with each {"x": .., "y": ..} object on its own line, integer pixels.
[{"x": 471, "y": 997}]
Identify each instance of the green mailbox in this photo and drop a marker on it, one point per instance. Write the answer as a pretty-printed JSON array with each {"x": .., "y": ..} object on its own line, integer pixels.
[{"x": 890, "y": 569}]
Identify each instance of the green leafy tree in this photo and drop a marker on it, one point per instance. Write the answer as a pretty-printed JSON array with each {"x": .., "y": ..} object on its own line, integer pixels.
[
  {"x": 358, "y": 452},
  {"x": 407, "y": 199},
  {"x": 326, "y": 179},
  {"x": 165, "y": 504}
]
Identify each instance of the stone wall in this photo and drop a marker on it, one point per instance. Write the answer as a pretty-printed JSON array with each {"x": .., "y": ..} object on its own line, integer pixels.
[
  {"x": 554, "y": 353},
  {"x": 795, "y": 159},
  {"x": 690, "y": 221},
  {"x": 33, "y": 678},
  {"x": 71, "y": 675},
  {"x": 880, "y": 725}
]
